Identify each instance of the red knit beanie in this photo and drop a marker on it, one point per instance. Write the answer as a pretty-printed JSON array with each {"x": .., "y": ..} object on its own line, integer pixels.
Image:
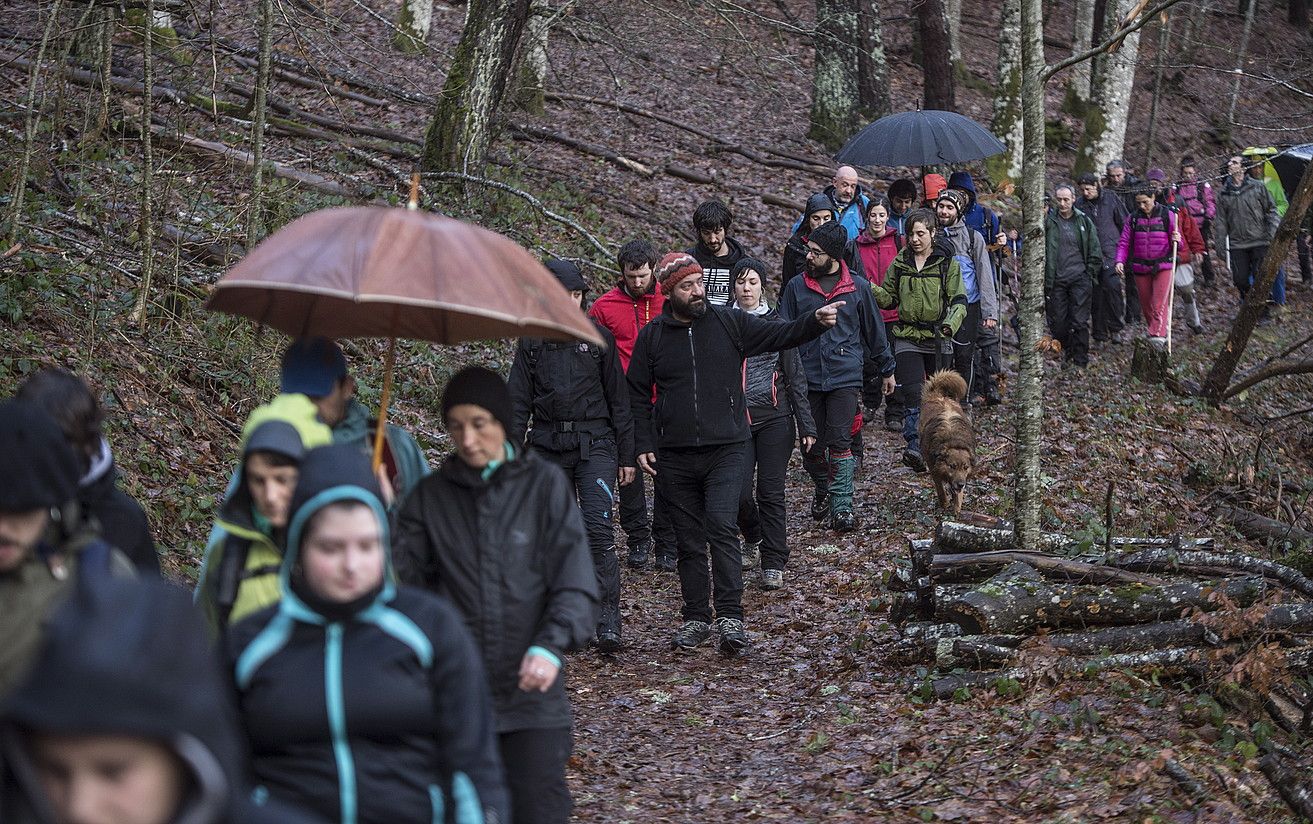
[{"x": 673, "y": 268}]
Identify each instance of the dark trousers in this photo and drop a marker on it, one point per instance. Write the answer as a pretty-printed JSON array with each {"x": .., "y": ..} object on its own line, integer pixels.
[
  {"x": 964, "y": 345},
  {"x": 761, "y": 518},
  {"x": 1134, "y": 313},
  {"x": 1068, "y": 307},
  {"x": 872, "y": 384},
  {"x": 701, "y": 487},
  {"x": 1206, "y": 230},
  {"x": 911, "y": 370},
  {"x": 638, "y": 525},
  {"x": 830, "y": 460},
  {"x": 1305, "y": 263},
  {"x": 534, "y": 761},
  {"x": 592, "y": 470},
  {"x": 1108, "y": 306},
  {"x": 1244, "y": 267}
]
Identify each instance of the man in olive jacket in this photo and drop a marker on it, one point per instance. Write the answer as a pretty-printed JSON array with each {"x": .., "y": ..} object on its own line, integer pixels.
[
  {"x": 692, "y": 355},
  {"x": 1072, "y": 265}
]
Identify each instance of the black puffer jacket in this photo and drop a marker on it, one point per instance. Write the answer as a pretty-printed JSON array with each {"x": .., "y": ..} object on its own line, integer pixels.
[
  {"x": 697, "y": 371},
  {"x": 510, "y": 552},
  {"x": 571, "y": 391},
  {"x": 122, "y": 520},
  {"x": 133, "y": 658},
  {"x": 373, "y": 711},
  {"x": 774, "y": 386}
]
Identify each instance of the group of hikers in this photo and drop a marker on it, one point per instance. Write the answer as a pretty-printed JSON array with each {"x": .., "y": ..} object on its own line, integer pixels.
[{"x": 391, "y": 639}]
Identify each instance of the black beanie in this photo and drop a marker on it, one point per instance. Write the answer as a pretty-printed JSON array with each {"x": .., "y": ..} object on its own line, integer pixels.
[
  {"x": 39, "y": 468},
  {"x": 568, "y": 274},
  {"x": 819, "y": 202},
  {"x": 831, "y": 237},
  {"x": 481, "y": 387},
  {"x": 746, "y": 263}
]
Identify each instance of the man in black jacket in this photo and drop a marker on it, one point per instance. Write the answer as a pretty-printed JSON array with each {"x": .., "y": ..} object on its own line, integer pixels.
[
  {"x": 575, "y": 394},
  {"x": 693, "y": 356},
  {"x": 716, "y": 252}
]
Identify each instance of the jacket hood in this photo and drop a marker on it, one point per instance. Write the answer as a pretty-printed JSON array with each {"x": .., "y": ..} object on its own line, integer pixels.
[
  {"x": 132, "y": 657},
  {"x": 297, "y": 410},
  {"x": 735, "y": 252},
  {"x": 329, "y": 475},
  {"x": 963, "y": 181},
  {"x": 354, "y": 427}
]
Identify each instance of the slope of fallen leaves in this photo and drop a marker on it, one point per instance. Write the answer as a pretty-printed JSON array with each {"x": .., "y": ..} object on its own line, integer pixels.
[{"x": 814, "y": 724}]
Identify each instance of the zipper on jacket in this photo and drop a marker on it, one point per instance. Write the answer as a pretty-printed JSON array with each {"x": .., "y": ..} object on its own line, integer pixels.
[
  {"x": 697, "y": 420},
  {"x": 334, "y": 700}
]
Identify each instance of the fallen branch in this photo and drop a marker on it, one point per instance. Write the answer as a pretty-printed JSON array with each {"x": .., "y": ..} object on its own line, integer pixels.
[
  {"x": 1166, "y": 560},
  {"x": 1303, "y": 367},
  {"x": 964, "y": 537},
  {"x": 1288, "y": 784},
  {"x": 1169, "y": 660},
  {"x": 531, "y": 132},
  {"x": 317, "y": 84},
  {"x": 227, "y": 153},
  {"x": 1182, "y": 778},
  {"x": 1065, "y": 567},
  {"x": 1253, "y": 525}
]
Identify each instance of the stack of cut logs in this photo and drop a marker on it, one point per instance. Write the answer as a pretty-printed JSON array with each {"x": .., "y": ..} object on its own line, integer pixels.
[{"x": 982, "y": 612}]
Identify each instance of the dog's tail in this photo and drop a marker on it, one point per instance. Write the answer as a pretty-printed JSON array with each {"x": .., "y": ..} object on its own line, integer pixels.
[{"x": 944, "y": 384}]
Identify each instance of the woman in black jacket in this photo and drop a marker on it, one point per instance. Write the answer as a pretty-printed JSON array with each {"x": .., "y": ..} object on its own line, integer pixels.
[
  {"x": 776, "y": 392},
  {"x": 498, "y": 531},
  {"x": 362, "y": 701}
]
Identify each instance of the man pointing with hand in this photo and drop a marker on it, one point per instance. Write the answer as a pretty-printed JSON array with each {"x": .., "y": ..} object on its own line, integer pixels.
[{"x": 692, "y": 356}]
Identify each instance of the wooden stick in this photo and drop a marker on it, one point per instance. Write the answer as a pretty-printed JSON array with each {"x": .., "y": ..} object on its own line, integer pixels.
[{"x": 380, "y": 434}]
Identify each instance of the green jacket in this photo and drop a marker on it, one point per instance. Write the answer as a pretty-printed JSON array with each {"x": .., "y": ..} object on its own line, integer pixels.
[
  {"x": 927, "y": 299},
  {"x": 235, "y": 524},
  {"x": 1087, "y": 235},
  {"x": 406, "y": 463}
]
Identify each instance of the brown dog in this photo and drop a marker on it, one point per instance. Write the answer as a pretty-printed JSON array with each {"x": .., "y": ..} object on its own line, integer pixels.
[{"x": 948, "y": 441}]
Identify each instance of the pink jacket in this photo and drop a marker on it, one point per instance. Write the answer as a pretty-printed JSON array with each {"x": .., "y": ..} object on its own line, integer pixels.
[
  {"x": 876, "y": 256},
  {"x": 1146, "y": 242}
]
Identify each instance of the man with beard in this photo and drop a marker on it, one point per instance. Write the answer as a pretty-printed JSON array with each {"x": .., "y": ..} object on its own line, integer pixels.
[
  {"x": 46, "y": 546},
  {"x": 833, "y": 365},
  {"x": 624, "y": 311},
  {"x": 716, "y": 252},
  {"x": 1108, "y": 211},
  {"x": 1125, "y": 185},
  {"x": 692, "y": 356},
  {"x": 973, "y": 258}
]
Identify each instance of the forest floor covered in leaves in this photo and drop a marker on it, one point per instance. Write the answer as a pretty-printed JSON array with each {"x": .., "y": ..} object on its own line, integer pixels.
[{"x": 816, "y": 723}]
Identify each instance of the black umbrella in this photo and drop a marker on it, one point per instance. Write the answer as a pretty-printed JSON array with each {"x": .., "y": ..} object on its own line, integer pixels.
[
  {"x": 920, "y": 139},
  {"x": 1290, "y": 164}
]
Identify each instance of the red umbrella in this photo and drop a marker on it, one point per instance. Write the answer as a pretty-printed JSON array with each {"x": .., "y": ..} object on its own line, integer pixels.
[{"x": 397, "y": 273}]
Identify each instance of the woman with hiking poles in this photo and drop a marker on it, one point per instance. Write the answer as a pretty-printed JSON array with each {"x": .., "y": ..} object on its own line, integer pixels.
[{"x": 1149, "y": 243}]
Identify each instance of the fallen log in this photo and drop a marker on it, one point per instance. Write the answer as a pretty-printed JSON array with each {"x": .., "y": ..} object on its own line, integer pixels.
[
  {"x": 1167, "y": 560},
  {"x": 975, "y": 563},
  {"x": 1168, "y": 660},
  {"x": 1132, "y": 638},
  {"x": 1253, "y": 525},
  {"x": 924, "y": 605},
  {"x": 965, "y": 537},
  {"x": 691, "y": 175},
  {"x": 527, "y": 131},
  {"x": 317, "y": 84},
  {"x": 1186, "y": 782},
  {"x": 1002, "y": 607},
  {"x": 1289, "y": 785}
]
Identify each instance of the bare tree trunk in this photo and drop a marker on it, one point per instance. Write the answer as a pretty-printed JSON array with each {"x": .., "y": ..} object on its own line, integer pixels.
[
  {"x": 534, "y": 63},
  {"x": 1219, "y": 376},
  {"x": 1195, "y": 20},
  {"x": 1082, "y": 31},
  {"x": 147, "y": 230},
  {"x": 461, "y": 131},
  {"x": 872, "y": 66},
  {"x": 1105, "y": 122},
  {"x": 1297, "y": 13},
  {"x": 834, "y": 115},
  {"x": 414, "y": 20},
  {"x": 255, "y": 210},
  {"x": 1164, "y": 39},
  {"x": 936, "y": 61},
  {"x": 953, "y": 18},
  {"x": 1007, "y": 123},
  {"x": 29, "y": 124},
  {"x": 1240, "y": 59},
  {"x": 1030, "y": 400},
  {"x": 413, "y": 23}
]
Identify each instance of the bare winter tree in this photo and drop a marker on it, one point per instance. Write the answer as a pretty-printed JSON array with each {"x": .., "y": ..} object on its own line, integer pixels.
[
  {"x": 532, "y": 72},
  {"x": 1082, "y": 30},
  {"x": 834, "y": 114},
  {"x": 1007, "y": 122},
  {"x": 461, "y": 131},
  {"x": 1105, "y": 121},
  {"x": 936, "y": 56},
  {"x": 872, "y": 65}
]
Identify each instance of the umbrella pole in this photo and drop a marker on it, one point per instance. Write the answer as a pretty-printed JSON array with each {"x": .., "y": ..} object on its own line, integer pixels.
[{"x": 381, "y": 430}]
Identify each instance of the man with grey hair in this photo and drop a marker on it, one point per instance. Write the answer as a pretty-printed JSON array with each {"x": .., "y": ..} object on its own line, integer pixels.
[
  {"x": 1073, "y": 263},
  {"x": 1125, "y": 185}
]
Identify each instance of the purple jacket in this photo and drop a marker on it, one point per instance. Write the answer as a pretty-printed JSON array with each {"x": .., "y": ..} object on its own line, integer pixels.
[
  {"x": 1198, "y": 199},
  {"x": 1146, "y": 241}
]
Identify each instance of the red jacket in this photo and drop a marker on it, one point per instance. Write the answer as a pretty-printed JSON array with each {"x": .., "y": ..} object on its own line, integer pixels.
[
  {"x": 623, "y": 316},
  {"x": 1190, "y": 234}
]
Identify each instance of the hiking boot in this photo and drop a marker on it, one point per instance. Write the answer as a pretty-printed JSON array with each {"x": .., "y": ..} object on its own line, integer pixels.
[
  {"x": 691, "y": 635},
  {"x": 821, "y": 504},
  {"x": 772, "y": 579},
  {"x": 608, "y": 641},
  {"x": 750, "y": 554},
  {"x": 639, "y": 555},
  {"x": 844, "y": 521},
  {"x": 992, "y": 396},
  {"x": 665, "y": 562},
  {"x": 893, "y": 424},
  {"x": 912, "y": 458},
  {"x": 733, "y": 638},
  {"x": 1197, "y": 328}
]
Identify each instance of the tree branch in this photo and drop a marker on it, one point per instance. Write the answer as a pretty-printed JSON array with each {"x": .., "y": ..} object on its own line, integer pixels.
[
  {"x": 1121, "y": 34},
  {"x": 1303, "y": 367}
]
